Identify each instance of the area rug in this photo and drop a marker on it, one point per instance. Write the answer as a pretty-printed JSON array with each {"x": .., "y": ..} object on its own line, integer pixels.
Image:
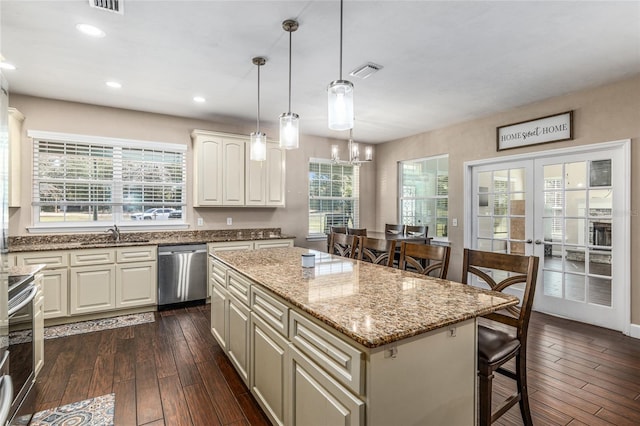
[
  {"x": 85, "y": 327},
  {"x": 95, "y": 412}
]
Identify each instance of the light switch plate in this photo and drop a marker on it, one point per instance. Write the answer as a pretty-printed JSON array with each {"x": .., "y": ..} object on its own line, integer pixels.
[
  {"x": 200, "y": 221},
  {"x": 229, "y": 221},
  {"x": 454, "y": 222}
]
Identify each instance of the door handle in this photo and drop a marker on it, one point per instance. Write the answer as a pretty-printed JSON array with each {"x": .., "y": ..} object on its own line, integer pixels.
[
  {"x": 529, "y": 241},
  {"x": 538, "y": 242},
  {"x": 6, "y": 396}
]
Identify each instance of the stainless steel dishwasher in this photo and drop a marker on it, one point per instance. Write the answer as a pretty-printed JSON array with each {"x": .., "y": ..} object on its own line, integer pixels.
[{"x": 182, "y": 275}]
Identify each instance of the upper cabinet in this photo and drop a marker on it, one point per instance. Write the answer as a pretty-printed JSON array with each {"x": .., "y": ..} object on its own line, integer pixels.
[
  {"x": 15, "y": 151},
  {"x": 225, "y": 175}
]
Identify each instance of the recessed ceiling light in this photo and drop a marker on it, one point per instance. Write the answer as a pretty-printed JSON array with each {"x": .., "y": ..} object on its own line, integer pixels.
[
  {"x": 199, "y": 99},
  {"x": 7, "y": 66},
  {"x": 90, "y": 30},
  {"x": 113, "y": 84}
]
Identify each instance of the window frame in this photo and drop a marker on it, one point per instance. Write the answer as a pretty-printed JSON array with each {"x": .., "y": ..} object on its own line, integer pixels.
[
  {"x": 312, "y": 236},
  {"x": 116, "y": 203},
  {"x": 401, "y": 198}
]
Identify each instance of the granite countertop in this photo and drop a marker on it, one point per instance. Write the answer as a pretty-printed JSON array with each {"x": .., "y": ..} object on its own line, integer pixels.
[
  {"x": 372, "y": 304},
  {"x": 102, "y": 240}
]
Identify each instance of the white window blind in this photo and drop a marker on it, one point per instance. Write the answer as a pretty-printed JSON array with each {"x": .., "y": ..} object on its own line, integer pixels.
[
  {"x": 334, "y": 196},
  {"x": 98, "y": 181}
]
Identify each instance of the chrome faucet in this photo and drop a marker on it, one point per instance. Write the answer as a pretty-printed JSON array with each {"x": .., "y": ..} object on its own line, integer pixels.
[{"x": 115, "y": 232}]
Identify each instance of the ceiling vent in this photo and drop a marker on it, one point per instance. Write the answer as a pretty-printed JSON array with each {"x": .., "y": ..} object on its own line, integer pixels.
[
  {"x": 366, "y": 70},
  {"x": 115, "y": 6}
]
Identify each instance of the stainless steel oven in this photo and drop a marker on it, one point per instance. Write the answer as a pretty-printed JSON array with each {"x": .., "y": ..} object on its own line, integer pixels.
[{"x": 22, "y": 291}]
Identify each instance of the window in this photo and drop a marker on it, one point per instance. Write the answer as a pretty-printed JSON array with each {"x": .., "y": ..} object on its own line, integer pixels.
[
  {"x": 92, "y": 181},
  {"x": 424, "y": 193},
  {"x": 333, "y": 196}
]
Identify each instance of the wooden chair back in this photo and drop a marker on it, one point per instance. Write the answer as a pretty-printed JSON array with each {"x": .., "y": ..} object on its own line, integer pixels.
[
  {"x": 390, "y": 228},
  {"x": 425, "y": 259},
  {"x": 357, "y": 231},
  {"x": 522, "y": 269},
  {"x": 376, "y": 251},
  {"x": 417, "y": 230},
  {"x": 339, "y": 229},
  {"x": 342, "y": 244}
]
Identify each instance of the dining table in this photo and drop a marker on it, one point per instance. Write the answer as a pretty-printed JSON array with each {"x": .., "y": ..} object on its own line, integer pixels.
[{"x": 389, "y": 236}]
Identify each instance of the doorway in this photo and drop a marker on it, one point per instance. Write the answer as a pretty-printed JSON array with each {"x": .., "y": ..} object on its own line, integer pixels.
[{"x": 570, "y": 208}]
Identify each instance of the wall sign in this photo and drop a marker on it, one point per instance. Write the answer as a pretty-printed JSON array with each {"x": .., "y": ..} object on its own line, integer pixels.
[{"x": 552, "y": 128}]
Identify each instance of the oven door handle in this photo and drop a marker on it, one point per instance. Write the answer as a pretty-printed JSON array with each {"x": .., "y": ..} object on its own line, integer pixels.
[
  {"x": 25, "y": 302},
  {"x": 6, "y": 397}
]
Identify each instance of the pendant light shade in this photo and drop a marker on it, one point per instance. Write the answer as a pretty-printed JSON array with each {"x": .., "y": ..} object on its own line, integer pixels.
[
  {"x": 340, "y": 97},
  {"x": 289, "y": 121},
  {"x": 258, "y": 148}
]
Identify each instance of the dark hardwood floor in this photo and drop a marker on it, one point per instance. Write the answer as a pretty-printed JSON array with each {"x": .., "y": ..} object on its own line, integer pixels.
[{"x": 172, "y": 372}]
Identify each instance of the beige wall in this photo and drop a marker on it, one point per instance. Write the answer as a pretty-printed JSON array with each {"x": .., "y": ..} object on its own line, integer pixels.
[
  {"x": 603, "y": 114},
  {"x": 68, "y": 117}
]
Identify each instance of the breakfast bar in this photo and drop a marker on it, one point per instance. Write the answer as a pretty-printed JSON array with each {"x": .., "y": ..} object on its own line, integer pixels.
[{"x": 346, "y": 341}]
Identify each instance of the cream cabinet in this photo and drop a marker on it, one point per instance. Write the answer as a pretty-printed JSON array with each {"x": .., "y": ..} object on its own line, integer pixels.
[
  {"x": 224, "y": 175},
  {"x": 219, "y": 313},
  {"x": 136, "y": 276},
  {"x": 266, "y": 179},
  {"x": 219, "y": 169},
  {"x": 238, "y": 336},
  {"x": 262, "y": 244},
  {"x": 16, "y": 120},
  {"x": 38, "y": 326},
  {"x": 92, "y": 288},
  {"x": 54, "y": 279}
]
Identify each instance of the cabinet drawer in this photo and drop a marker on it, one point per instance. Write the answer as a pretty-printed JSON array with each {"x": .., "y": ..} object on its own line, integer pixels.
[
  {"x": 218, "y": 272},
  {"x": 51, "y": 259},
  {"x": 339, "y": 359},
  {"x": 273, "y": 312},
  {"x": 136, "y": 254},
  {"x": 273, "y": 244},
  {"x": 93, "y": 257},
  {"x": 230, "y": 245},
  {"x": 238, "y": 286}
]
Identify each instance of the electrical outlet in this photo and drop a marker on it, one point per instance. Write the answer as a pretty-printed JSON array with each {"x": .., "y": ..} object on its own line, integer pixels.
[
  {"x": 200, "y": 221},
  {"x": 454, "y": 222},
  {"x": 229, "y": 221}
]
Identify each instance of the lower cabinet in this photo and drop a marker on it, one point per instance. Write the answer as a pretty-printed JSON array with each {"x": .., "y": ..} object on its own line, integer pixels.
[
  {"x": 267, "y": 368},
  {"x": 219, "y": 314},
  {"x": 92, "y": 289},
  {"x": 316, "y": 395},
  {"x": 56, "y": 295},
  {"x": 136, "y": 284},
  {"x": 38, "y": 326},
  {"x": 238, "y": 336}
]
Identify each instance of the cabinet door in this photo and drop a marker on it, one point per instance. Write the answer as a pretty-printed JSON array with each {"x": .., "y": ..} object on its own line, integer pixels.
[
  {"x": 255, "y": 183},
  {"x": 208, "y": 162},
  {"x": 275, "y": 176},
  {"x": 56, "y": 295},
  {"x": 16, "y": 120},
  {"x": 219, "y": 314},
  {"x": 268, "y": 367},
  {"x": 233, "y": 172},
  {"x": 92, "y": 289},
  {"x": 238, "y": 337},
  {"x": 136, "y": 284},
  {"x": 38, "y": 334},
  {"x": 314, "y": 395}
]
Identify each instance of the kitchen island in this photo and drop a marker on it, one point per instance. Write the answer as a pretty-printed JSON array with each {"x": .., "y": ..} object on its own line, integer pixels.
[{"x": 348, "y": 342}]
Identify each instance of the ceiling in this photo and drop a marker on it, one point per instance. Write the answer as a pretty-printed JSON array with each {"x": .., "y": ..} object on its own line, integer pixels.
[{"x": 444, "y": 62}]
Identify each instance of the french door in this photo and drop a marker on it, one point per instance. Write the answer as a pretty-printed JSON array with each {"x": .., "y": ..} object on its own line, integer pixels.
[{"x": 570, "y": 210}]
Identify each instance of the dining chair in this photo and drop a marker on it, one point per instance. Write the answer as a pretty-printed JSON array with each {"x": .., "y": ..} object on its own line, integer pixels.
[
  {"x": 339, "y": 229},
  {"x": 357, "y": 231},
  {"x": 498, "y": 344},
  {"x": 342, "y": 244},
  {"x": 425, "y": 259},
  {"x": 417, "y": 230},
  {"x": 376, "y": 251},
  {"x": 390, "y": 228}
]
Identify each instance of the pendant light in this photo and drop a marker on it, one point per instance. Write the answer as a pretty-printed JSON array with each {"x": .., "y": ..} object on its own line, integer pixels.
[
  {"x": 258, "y": 139},
  {"x": 289, "y": 121},
  {"x": 340, "y": 97}
]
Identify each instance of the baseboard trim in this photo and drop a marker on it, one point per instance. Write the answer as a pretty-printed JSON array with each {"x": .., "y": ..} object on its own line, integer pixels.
[{"x": 634, "y": 331}]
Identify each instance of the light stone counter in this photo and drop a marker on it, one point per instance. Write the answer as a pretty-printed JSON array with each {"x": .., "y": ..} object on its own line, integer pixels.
[{"x": 371, "y": 304}]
